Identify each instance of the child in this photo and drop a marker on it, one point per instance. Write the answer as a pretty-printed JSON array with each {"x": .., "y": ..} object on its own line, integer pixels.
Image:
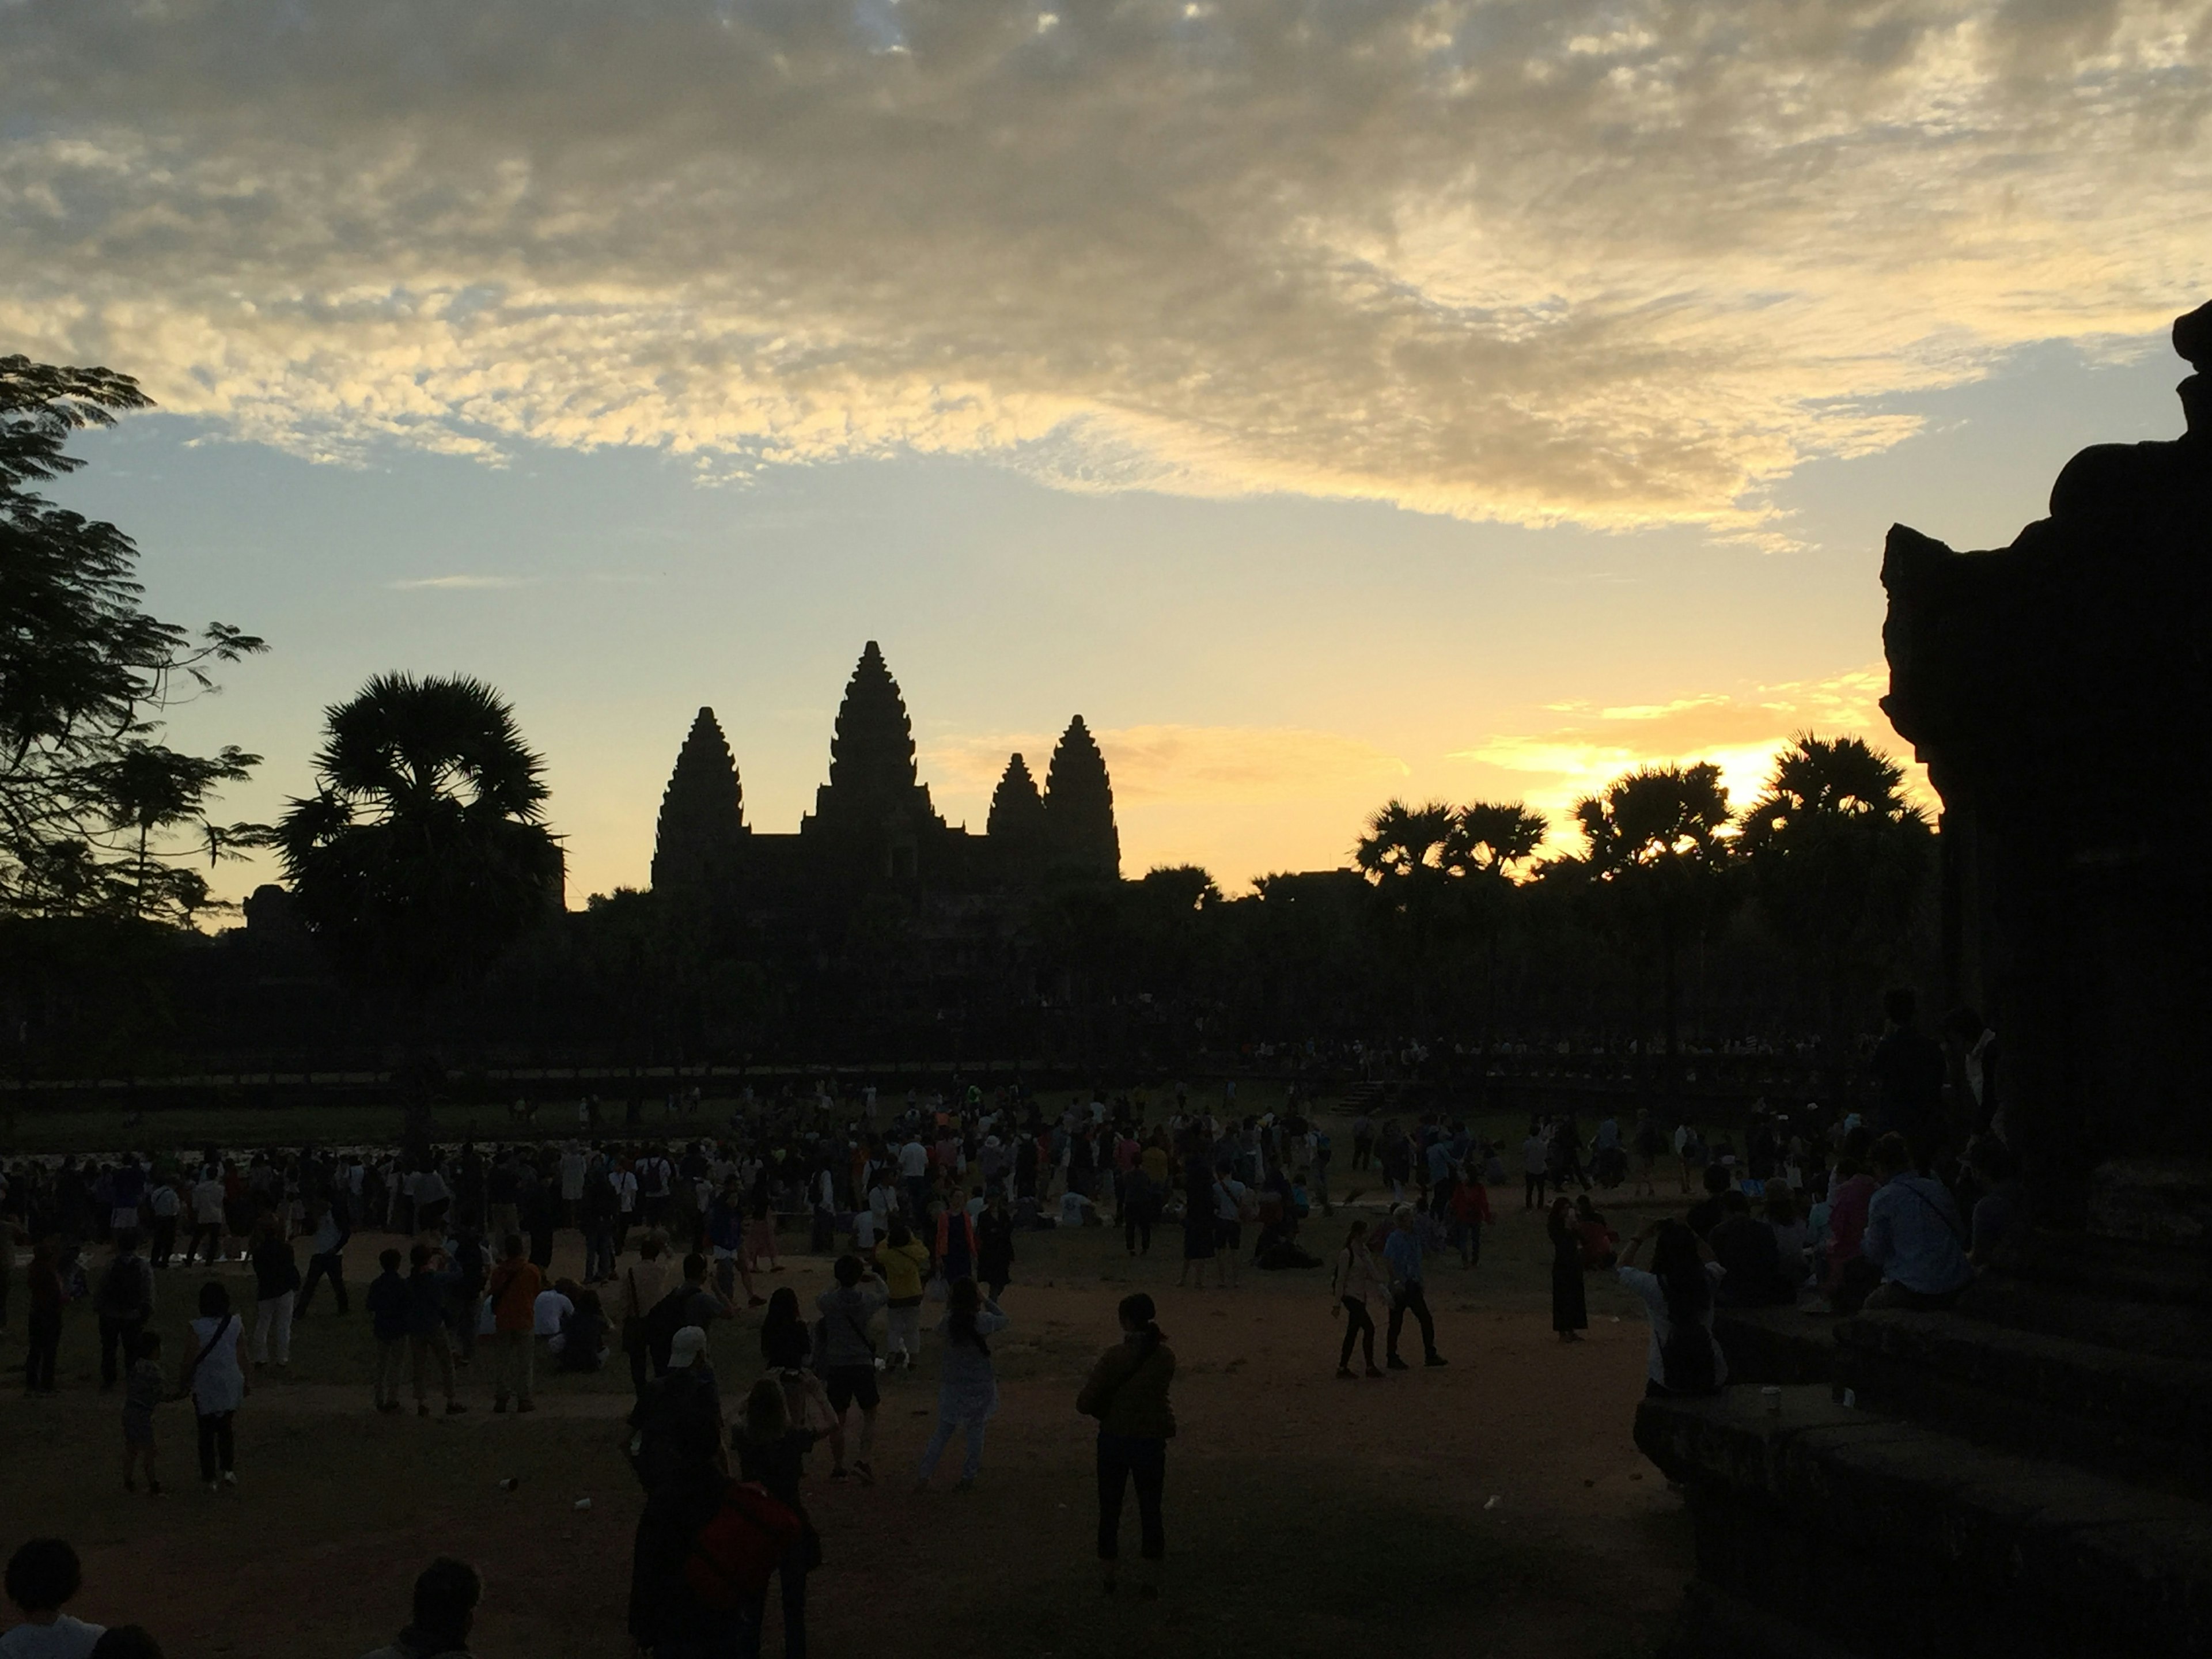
[{"x": 143, "y": 1392}]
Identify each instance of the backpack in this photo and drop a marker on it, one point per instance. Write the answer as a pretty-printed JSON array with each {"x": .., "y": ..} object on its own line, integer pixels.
[
  {"x": 662, "y": 1321},
  {"x": 742, "y": 1543}
]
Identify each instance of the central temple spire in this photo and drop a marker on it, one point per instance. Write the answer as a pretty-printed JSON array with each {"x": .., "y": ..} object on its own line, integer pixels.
[{"x": 871, "y": 769}]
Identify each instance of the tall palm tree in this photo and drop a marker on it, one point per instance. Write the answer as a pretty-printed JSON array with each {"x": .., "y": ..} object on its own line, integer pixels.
[
  {"x": 1839, "y": 861},
  {"x": 1658, "y": 843},
  {"x": 423, "y": 853},
  {"x": 1492, "y": 843}
]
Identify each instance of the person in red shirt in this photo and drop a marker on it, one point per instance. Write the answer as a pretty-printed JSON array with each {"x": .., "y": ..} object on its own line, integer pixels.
[
  {"x": 513, "y": 1285},
  {"x": 1470, "y": 1214}
]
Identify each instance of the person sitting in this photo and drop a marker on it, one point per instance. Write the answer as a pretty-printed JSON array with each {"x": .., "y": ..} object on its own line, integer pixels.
[
  {"x": 1746, "y": 1248},
  {"x": 446, "y": 1597},
  {"x": 1913, "y": 1233},
  {"x": 581, "y": 1343},
  {"x": 2001, "y": 1214},
  {"x": 1792, "y": 1238},
  {"x": 42, "y": 1574}
]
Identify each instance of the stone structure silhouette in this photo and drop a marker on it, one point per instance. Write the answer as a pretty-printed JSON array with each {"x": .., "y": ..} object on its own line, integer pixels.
[
  {"x": 2024, "y": 1469},
  {"x": 702, "y": 813},
  {"x": 875, "y": 889},
  {"x": 1078, "y": 805},
  {"x": 2058, "y": 689}
]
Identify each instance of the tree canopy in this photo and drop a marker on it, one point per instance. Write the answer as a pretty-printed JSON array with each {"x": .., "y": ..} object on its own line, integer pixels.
[
  {"x": 98, "y": 815},
  {"x": 424, "y": 852}
]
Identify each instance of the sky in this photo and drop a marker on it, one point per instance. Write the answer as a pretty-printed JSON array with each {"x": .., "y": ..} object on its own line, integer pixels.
[{"x": 1329, "y": 401}]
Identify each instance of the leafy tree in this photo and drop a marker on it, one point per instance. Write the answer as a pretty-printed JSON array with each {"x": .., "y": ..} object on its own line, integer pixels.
[
  {"x": 1839, "y": 862},
  {"x": 97, "y": 814},
  {"x": 1657, "y": 849},
  {"x": 424, "y": 853},
  {"x": 1491, "y": 845}
]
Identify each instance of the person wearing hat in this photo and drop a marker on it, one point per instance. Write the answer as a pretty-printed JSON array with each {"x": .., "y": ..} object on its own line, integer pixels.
[{"x": 668, "y": 1414}]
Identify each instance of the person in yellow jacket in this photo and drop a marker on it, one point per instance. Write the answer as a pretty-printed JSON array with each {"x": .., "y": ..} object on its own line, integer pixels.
[{"x": 903, "y": 1260}]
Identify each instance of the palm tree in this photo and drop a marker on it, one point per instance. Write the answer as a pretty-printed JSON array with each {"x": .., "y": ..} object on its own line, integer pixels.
[
  {"x": 1493, "y": 844},
  {"x": 1838, "y": 861},
  {"x": 423, "y": 853},
  {"x": 1658, "y": 845}
]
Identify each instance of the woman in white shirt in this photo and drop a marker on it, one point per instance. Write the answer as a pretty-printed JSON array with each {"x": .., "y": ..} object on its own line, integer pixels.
[
  {"x": 219, "y": 1376},
  {"x": 1677, "y": 1294},
  {"x": 1358, "y": 1279}
]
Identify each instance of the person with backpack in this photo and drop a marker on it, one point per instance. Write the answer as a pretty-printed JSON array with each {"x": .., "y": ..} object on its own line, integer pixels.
[
  {"x": 772, "y": 1454},
  {"x": 445, "y": 1609},
  {"x": 1127, "y": 1392},
  {"x": 693, "y": 1302},
  {"x": 845, "y": 1358},
  {"x": 706, "y": 1547},
  {"x": 1677, "y": 1294},
  {"x": 218, "y": 1376},
  {"x": 123, "y": 1302},
  {"x": 968, "y": 1387}
]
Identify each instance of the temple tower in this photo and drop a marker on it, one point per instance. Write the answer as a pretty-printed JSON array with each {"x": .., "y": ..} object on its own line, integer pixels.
[
  {"x": 703, "y": 812},
  {"x": 1078, "y": 802}
]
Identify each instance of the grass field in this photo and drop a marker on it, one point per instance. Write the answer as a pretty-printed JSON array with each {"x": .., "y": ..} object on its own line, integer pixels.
[{"x": 1306, "y": 1515}]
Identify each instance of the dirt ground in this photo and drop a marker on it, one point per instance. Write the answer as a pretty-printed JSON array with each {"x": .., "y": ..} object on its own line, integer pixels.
[{"x": 1495, "y": 1506}]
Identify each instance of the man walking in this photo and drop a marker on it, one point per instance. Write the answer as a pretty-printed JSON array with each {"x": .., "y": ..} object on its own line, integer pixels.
[{"x": 1402, "y": 1249}]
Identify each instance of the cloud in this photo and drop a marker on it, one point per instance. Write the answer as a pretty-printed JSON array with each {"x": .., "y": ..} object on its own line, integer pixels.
[
  {"x": 1617, "y": 261},
  {"x": 1187, "y": 765},
  {"x": 1740, "y": 731},
  {"x": 460, "y": 582}
]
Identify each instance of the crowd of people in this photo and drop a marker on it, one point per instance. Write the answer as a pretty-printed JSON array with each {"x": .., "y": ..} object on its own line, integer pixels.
[{"x": 926, "y": 1217}]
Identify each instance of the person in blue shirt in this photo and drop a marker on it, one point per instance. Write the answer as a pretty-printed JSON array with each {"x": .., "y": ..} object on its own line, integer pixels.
[
  {"x": 1403, "y": 1250},
  {"x": 1913, "y": 1233}
]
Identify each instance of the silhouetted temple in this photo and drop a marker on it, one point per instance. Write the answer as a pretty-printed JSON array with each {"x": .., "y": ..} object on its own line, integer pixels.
[{"x": 874, "y": 882}]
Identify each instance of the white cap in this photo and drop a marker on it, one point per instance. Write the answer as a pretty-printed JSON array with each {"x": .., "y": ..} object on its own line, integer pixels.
[{"x": 689, "y": 1343}]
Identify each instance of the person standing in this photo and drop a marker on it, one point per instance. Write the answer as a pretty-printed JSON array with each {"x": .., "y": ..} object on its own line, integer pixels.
[
  {"x": 1470, "y": 1214},
  {"x": 638, "y": 1288},
  {"x": 1569, "y": 1311},
  {"x": 1357, "y": 1282},
  {"x": 904, "y": 1263},
  {"x": 142, "y": 1390},
  {"x": 968, "y": 1387},
  {"x": 125, "y": 1302},
  {"x": 327, "y": 1258},
  {"x": 994, "y": 1245},
  {"x": 44, "y": 1282},
  {"x": 218, "y": 1376},
  {"x": 429, "y": 1336},
  {"x": 772, "y": 1451},
  {"x": 847, "y": 1361},
  {"x": 1535, "y": 1165},
  {"x": 1127, "y": 1392},
  {"x": 275, "y": 1286},
  {"x": 168, "y": 1206},
  {"x": 1403, "y": 1250},
  {"x": 388, "y": 1304},
  {"x": 514, "y": 1285}
]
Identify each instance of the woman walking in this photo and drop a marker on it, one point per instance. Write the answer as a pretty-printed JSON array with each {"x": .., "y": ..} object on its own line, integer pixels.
[
  {"x": 903, "y": 1260},
  {"x": 1357, "y": 1278},
  {"x": 1128, "y": 1393},
  {"x": 968, "y": 1388},
  {"x": 1570, "y": 1309},
  {"x": 218, "y": 1376}
]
